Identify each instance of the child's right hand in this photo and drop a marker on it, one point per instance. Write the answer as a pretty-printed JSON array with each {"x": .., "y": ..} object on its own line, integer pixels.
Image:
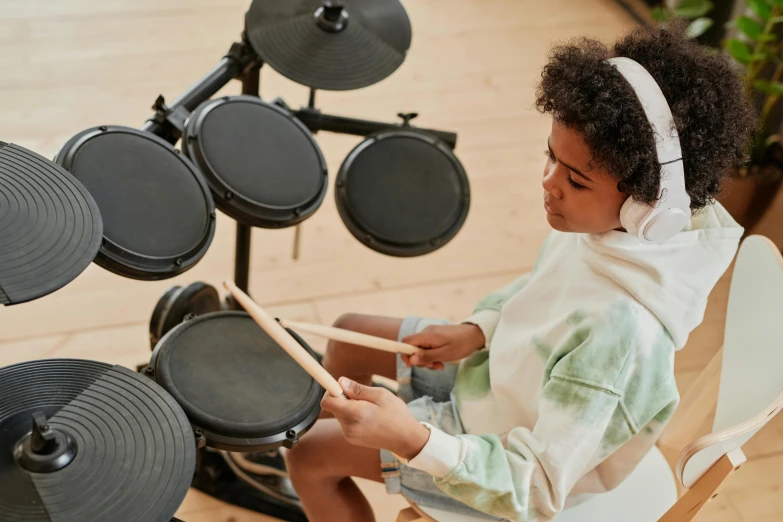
[{"x": 443, "y": 343}]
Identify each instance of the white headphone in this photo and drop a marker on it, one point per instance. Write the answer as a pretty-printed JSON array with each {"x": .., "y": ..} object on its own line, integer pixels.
[{"x": 671, "y": 212}]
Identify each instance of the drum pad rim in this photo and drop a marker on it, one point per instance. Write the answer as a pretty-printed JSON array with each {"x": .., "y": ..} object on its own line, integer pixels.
[
  {"x": 131, "y": 264},
  {"x": 233, "y": 203},
  {"x": 163, "y": 376},
  {"x": 384, "y": 246}
]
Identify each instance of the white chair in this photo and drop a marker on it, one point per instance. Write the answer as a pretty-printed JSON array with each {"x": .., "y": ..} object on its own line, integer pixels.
[{"x": 747, "y": 374}]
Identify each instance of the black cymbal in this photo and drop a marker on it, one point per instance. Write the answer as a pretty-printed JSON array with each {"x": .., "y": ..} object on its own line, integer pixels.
[
  {"x": 50, "y": 226},
  {"x": 83, "y": 440},
  {"x": 330, "y": 44}
]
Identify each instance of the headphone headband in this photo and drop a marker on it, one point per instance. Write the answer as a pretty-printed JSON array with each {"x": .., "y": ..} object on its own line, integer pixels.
[
  {"x": 671, "y": 213},
  {"x": 667, "y": 141}
]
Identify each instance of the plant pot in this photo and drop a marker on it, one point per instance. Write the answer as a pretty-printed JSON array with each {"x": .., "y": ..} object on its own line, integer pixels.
[{"x": 748, "y": 197}]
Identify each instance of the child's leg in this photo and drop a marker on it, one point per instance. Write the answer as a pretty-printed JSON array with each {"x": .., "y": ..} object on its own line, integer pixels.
[
  {"x": 358, "y": 362},
  {"x": 322, "y": 463},
  {"x": 321, "y": 466}
]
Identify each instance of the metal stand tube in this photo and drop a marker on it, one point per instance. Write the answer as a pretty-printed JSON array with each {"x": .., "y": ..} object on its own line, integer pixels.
[
  {"x": 317, "y": 121},
  {"x": 239, "y": 58},
  {"x": 250, "y": 85},
  {"x": 242, "y": 257}
]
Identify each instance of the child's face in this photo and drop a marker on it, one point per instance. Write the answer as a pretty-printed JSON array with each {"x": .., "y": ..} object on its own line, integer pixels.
[{"x": 578, "y": 197}]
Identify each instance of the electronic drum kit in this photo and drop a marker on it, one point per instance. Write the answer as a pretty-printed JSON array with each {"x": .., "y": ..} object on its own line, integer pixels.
[{"x": 84, "y": 440}]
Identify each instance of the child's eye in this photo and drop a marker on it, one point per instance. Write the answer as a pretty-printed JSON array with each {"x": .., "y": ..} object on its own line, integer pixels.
[
  {"x": 575, "y": 184},
  {"x": 548, "y": 154}
]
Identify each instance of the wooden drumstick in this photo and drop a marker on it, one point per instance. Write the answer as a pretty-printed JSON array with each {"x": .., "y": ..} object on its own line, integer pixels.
[
  {"x": 351, "y": 337},
  {"x": 286, "y": 341}
]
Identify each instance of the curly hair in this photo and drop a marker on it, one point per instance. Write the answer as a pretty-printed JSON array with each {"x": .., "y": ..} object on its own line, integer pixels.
[{"x": 714, "y": 118}]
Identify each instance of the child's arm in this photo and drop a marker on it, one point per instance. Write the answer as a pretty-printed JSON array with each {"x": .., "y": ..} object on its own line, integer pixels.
[
  {"x": 445, "y": 343},
  {"x": 532, "y": 478},
  {"x": 486, "y": 314},
  {"x": 607, "y": 382},
  {"x": 529, "y": 481}
]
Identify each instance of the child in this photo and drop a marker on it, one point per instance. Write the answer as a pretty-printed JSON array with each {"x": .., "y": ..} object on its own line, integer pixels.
[{"x": 559, "y": 383}]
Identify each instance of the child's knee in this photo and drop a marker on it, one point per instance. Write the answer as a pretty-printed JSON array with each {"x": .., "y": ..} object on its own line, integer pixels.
[
  {"x": 335, "y": 350},
  {"x": 350, "y": 321},
  {"x": 311, "y": 456},
  {"x": 299, "y": 459}
]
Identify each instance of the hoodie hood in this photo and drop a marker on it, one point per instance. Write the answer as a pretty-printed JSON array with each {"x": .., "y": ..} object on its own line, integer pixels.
[{"x": 672, "y": 279}]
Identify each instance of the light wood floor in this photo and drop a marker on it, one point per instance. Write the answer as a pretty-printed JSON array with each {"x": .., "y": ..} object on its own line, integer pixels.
[{"x": 72, "y": 64}]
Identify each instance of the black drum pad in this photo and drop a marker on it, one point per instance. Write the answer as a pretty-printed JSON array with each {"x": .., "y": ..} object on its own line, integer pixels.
[
  {"x": 235, "y": 382},
  {"x": 402, "y": 193},
  {"x": 135, "y": 454},
  {"x": 263, "y": 165},
  {"x": 50, "y": 226},
  {"x": 158, "y": 213}
]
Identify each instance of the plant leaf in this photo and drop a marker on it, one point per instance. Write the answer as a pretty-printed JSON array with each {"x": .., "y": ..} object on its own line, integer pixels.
[
  {"x": 739, "y": 50},
  {"x": 660, "y": 14},
  {"x": 698, "y": 27},
  {"x": 778, "y": 3},
  {"x": 749, "y": 27},
  {"x": 777, "y": 19},
  {"x": 761, "y": 8},
  {"x": 774, "y": 88},
  {"x": 693, "y": 8},
  {"x": 766, "y": 51}
]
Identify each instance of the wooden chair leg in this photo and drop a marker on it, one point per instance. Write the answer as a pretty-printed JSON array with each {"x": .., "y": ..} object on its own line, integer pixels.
[
  {"x": 705, "y": 489},
  {"x": 409, "y": 515},
  {"x": 414, "y": 514}
]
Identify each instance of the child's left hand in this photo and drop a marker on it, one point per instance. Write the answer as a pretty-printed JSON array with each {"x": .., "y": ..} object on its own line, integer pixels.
[{"x": 376, "y": 418}]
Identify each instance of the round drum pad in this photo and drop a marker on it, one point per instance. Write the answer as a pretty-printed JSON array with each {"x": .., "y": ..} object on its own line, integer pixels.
[
  {"x": 158, "y": 213},
  {"x": 130, "y": 453},
  {"x": 402, "y": 193},
  {"x": 236, "y": 384},
  {"x": 50, "y": 226},
  {"x": 262, "y": 164}
]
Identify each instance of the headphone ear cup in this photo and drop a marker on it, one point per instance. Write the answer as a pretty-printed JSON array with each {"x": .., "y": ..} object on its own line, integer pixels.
[{"x": 632, "y": 215}]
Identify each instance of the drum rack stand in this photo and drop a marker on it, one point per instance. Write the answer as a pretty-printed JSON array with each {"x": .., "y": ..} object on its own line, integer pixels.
[{"x": 242, "y": 63}]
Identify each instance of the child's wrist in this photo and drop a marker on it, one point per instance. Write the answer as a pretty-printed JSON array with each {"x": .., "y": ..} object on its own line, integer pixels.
[
  {"x": 477, "y": 336},
  {"x": 415, "y": 441}
]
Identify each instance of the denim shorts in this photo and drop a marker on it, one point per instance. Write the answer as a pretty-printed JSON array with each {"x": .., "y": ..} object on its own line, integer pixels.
[{"x": 430, "y": 398}]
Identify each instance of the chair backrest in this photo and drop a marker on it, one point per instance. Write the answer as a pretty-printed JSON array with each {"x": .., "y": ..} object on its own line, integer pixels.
[{"x": 751, "y": 377}]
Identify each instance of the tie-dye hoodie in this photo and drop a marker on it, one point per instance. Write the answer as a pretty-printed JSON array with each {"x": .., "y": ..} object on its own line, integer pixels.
[{"x": 577, "y": 379}]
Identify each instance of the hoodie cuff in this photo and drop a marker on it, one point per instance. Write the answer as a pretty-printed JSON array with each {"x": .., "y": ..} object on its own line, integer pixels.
[
  {"x": 487, "y": 321},
  {"x": 441, "y": 454}
]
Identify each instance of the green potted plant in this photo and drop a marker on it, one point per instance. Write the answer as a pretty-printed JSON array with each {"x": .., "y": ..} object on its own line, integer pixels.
[
  {"x": 694, "y": 11},
  {"x": 757, "y": 46}
]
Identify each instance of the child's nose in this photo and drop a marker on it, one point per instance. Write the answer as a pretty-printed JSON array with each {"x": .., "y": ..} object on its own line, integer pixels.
[{"x": 550, "y": 185}]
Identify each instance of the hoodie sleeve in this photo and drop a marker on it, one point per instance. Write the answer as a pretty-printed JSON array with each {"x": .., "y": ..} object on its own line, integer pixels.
[
  {"x": 530, "y": 478},
  {"x": 486, "y": 314}
]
